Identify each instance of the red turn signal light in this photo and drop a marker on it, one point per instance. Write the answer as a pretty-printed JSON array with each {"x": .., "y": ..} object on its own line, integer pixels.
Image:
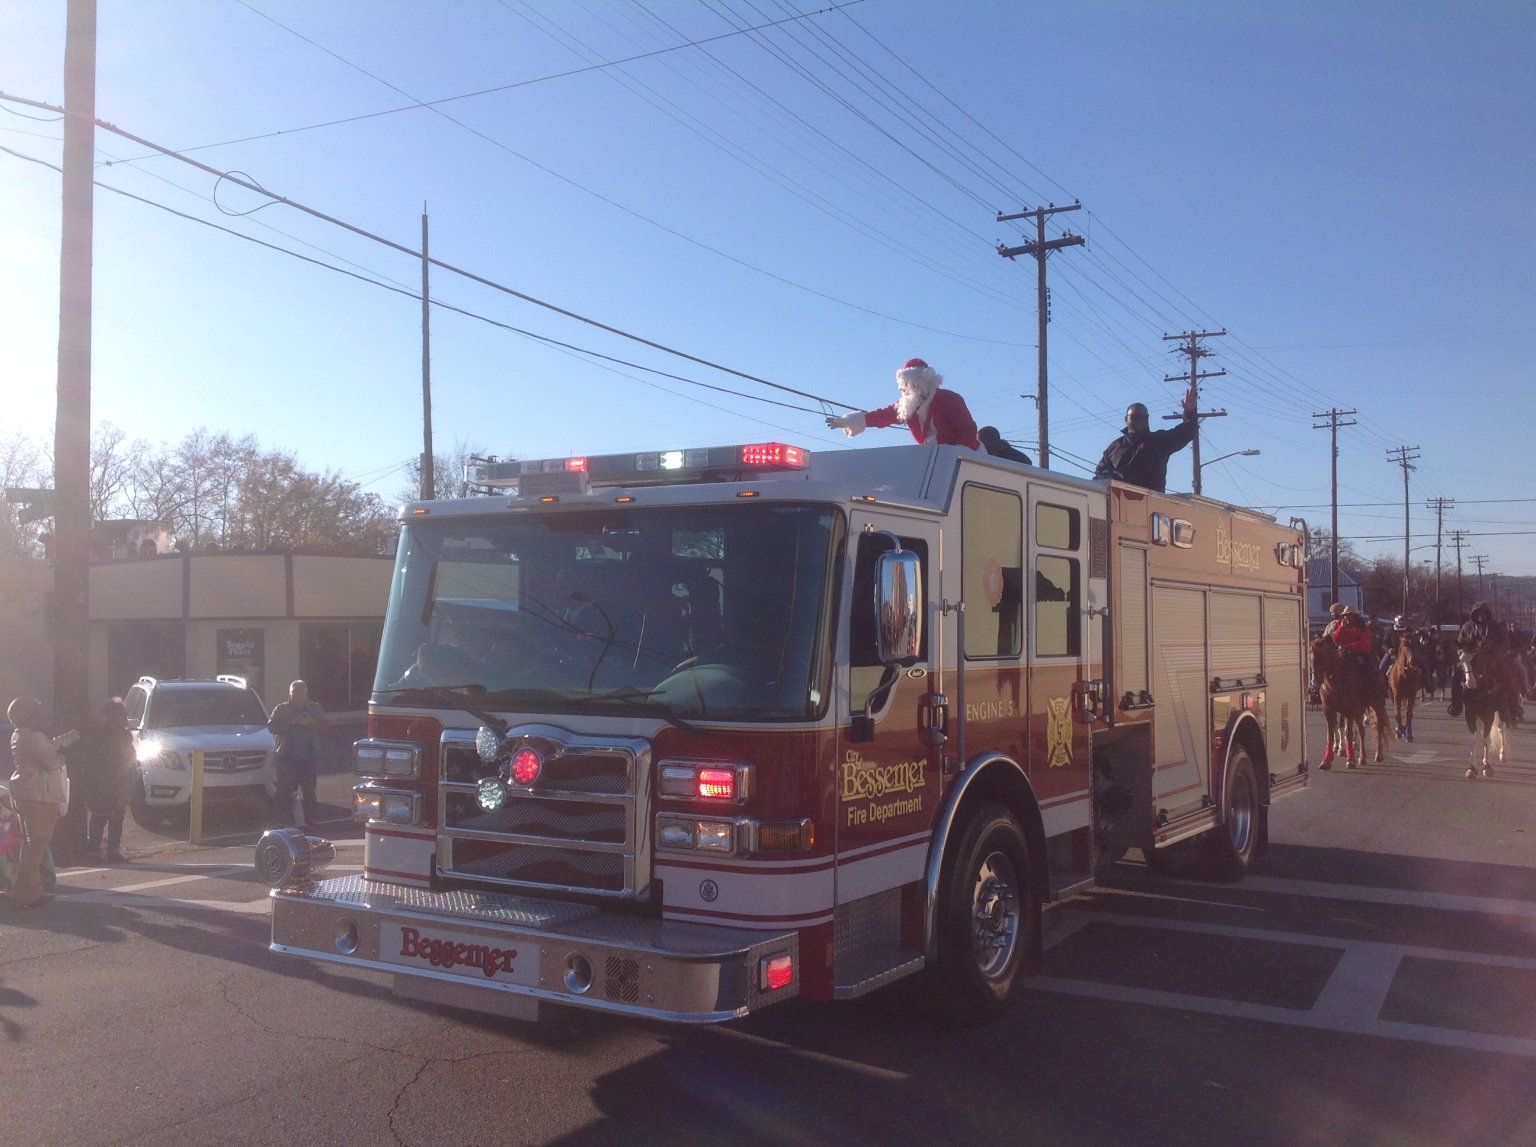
[{"x": 775, "y": 972}]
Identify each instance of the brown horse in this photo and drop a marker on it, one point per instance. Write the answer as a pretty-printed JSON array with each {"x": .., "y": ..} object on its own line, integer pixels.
[
  {"x": 1404, "y": 679},
  {"x": 1348, "y": 695}
]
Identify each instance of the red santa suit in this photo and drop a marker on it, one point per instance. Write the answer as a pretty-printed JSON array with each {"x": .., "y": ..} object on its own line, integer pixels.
[{"x": 928, "y": 413}]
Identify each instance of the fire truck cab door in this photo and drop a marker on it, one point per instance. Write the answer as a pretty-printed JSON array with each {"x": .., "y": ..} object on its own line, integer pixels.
[
  {"x": 888, "y": 787},
  {"x": 1061, "y": 651}
]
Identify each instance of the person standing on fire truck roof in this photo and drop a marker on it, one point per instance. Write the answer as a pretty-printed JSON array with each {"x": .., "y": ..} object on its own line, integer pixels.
[
  {"x": 931, "y": 414},
  {"x": 1141, "y": 455}
]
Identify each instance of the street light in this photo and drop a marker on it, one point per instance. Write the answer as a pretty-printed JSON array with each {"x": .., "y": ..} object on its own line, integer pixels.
[{"x": 1234, "y": 454}]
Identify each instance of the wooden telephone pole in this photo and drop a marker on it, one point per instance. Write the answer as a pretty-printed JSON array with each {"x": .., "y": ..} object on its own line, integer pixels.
[
  {"x": 1040, "y": 248},
  {"x": 1404, "y": 456},
  {"x": 1196, "y": 352},
  {"x": 72, "y": 422},
  {"x": 1332, "y": 426},
  {"x": 1439, "y": 506}
]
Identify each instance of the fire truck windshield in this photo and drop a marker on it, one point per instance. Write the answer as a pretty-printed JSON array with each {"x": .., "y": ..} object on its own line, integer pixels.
[{"x": 719, "y": 611}]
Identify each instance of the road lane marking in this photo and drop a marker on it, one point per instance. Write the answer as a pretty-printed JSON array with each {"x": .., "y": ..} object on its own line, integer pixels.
[
  {"x": 1407, "y": 897},
  {"x": 1350, "y": 1001},
  {"x": 1266, "y": 1013}
]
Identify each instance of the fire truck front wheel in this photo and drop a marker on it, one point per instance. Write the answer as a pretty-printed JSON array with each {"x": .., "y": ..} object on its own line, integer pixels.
[{"x": 988, "y": 920}]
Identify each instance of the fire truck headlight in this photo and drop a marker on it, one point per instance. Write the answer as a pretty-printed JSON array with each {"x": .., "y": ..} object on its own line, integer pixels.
[
  {"x": 490, "y": 794},
  {"x": 693, "y": 834},
  {"x": 396, "y": 807},
  {"x": 716, "y": 836},
  {"x": 676, "y": 834},
  {"x": 386, "y": 759}
]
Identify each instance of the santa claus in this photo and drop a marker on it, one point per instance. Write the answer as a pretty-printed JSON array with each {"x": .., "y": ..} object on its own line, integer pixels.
[{"x": 931, "y": 414}]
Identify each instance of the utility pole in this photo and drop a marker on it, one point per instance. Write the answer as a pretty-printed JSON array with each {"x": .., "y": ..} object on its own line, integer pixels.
[
  {"x": 1457, "y": 537},
  {"x": 1439, "y": 506},
  {"x": 428, "y": 463},
  {"x": 1196, "y": 352},
  {"x": 1478, "y": 560},
  {"x": 1040, "y": 248},
  {"x": 1332, "y": 426},
  {"x": 72, "y": 423},
  {"x": 1404, "y": 455}
]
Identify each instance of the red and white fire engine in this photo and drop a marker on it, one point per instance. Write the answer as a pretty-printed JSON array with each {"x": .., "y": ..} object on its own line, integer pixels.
[{"x": 685, "y": 734}]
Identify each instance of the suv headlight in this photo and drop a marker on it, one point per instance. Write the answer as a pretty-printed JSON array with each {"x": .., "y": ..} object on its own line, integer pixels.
[{"x": 154, "y": 753}]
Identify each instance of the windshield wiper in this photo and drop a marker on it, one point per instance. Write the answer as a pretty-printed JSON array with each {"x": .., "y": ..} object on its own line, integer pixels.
[
  {"x": 639, "y": 698},
  {"x": 458, "y": 701}
]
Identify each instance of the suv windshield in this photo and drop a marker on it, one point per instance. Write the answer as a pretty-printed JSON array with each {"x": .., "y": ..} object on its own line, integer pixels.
[
  {"x": 181, "y": 708},
  {"x": 713, "y": 611}
]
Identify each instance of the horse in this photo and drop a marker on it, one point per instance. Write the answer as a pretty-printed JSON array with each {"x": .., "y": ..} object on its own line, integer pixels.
[
  {"x": 1348, "y": 694},
  {"x": 1405, "y": 678},
  {"x": 1488, "y": 707}
]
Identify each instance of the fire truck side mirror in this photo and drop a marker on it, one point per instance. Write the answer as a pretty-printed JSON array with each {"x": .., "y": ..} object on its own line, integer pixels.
[{"x": 898, "y": 607}]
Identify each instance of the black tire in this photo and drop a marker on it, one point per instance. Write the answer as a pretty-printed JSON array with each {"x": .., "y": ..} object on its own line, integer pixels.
[
  {"x": 1231, "y": 846},
  {"x": 988, "y": 919},
  {"x": 144, "y": 814}
]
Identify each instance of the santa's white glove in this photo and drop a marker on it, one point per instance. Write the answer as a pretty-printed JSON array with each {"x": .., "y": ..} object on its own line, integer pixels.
[{"x": 850, "y": 424}]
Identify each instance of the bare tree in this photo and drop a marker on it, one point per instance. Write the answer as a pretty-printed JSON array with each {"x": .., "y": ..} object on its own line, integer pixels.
[
  {"x": 447, "y": 473},
  {"x": 21, "y": 465}
]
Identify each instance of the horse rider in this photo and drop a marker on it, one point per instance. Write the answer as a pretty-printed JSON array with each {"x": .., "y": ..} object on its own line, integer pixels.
[
  {"x": 1400, "y": 632},
  {"x": 1481, "y": 638},
  {"x": 1355, "y": 639}
]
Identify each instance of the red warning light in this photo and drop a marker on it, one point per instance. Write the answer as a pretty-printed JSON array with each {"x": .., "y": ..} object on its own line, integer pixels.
[
  {"x": 576, "y": 464},
  {"x": 526, "y": 766},
  {"x": 772, "y": 454},
  {"x": 717, "y": 784}
]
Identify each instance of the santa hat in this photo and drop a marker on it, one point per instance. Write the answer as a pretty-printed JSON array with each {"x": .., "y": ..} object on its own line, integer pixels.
[{"x": 921, "y": 377}]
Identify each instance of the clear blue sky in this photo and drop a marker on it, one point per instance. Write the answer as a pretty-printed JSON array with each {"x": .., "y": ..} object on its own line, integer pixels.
[{"x": 1346, "y": 189}]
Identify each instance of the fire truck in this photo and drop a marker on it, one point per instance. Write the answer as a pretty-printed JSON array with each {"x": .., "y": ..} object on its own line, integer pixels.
[{"x": 686, "y": 734}]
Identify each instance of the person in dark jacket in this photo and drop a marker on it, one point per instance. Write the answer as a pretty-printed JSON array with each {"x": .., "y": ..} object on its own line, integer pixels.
[
  {"x": 1140, "y": 455},
  {"x": 296, "y": 724},
  {"x": 999, "y": 447},
  {"x": 1481, "y": 638},
  {"x": 108, "y": 773}
]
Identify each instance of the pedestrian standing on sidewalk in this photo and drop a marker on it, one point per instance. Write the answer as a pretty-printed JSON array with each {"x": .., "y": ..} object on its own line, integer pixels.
[
  {"x": 40, "y": 788},
  {"x": 296, "y": 724},
  {"x": 108, "y": 773}
]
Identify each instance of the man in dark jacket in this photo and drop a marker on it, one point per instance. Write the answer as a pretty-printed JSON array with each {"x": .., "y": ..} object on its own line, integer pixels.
[
  {"x": 296, "y": 725},
  {"x": 1484, "y": 640},
  {"x": 1140, "y": 455}
]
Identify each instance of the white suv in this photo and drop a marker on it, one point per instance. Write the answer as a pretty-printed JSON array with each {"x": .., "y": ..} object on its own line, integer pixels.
[{"x": 225, "y": 718}]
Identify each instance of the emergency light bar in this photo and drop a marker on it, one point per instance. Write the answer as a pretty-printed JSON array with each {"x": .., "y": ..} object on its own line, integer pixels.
[{"x": 552, "y": 477}]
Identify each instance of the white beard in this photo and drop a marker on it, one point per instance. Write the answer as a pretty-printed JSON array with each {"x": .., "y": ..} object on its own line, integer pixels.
[{"x": 911, "y": 405}]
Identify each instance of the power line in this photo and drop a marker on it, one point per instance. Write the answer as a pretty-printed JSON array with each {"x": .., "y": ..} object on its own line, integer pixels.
[{"x": 450, "y": 267}]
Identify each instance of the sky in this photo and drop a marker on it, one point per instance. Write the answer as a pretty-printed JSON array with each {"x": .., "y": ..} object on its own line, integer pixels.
[{"x": 806, "y": 194}]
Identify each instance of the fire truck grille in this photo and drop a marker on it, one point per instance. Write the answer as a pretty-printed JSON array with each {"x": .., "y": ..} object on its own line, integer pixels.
[
  {"x": 621, "y": 979},
  {"x": 579, "y": 828},
  {"x": 547, "y": 867}
]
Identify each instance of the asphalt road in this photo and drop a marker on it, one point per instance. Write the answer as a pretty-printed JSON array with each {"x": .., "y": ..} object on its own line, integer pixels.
[{"x": 1374, "y": 982}]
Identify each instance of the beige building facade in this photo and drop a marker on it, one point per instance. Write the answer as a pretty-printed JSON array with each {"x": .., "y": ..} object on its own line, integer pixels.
[{"x": 267, "y": 617}]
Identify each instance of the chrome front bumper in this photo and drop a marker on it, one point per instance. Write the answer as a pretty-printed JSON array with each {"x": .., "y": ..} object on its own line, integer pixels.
[{"x": 491, "y": 952}]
